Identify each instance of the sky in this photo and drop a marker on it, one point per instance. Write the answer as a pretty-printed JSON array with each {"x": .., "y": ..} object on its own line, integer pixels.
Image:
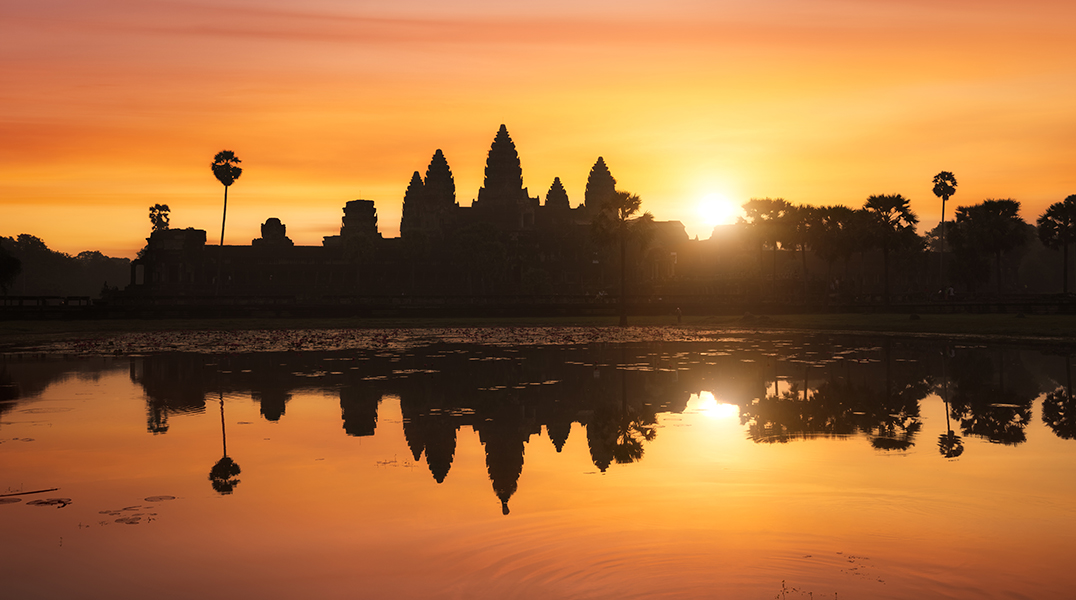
[{"x": 110, "y": 106}]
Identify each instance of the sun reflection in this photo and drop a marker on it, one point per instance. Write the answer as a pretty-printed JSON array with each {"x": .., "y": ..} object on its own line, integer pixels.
[{"x": 709, "y": 406}]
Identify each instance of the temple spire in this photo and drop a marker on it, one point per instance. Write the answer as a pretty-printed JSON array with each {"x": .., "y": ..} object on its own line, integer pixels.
[
  {"x": 503, "y": 173},
  {"x": 440, "y": 185},
  {"x": 600, "y": 185}
]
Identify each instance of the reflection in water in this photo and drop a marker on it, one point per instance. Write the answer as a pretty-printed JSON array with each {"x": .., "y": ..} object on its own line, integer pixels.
[
  {"x": 885, "y": 409},
  {"x": 950, "y": 445},
  {"x": 782, "y": 389},
  {"x": 993, "y": 395},
  {"x": 710, "y": 439},
  {"x": 174, "y": 384},
  {"x": 223, "y": 474},
  {"x": 1058, "y": 408}
]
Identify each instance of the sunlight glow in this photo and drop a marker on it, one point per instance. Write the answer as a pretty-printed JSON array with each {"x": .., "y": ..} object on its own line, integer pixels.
[
  {"x": 709, "y": 406},
  {"x": 716, "y": 209}
]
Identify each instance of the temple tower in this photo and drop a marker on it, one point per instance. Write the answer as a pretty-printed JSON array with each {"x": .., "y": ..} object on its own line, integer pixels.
[{"x": 503, "y": 200}]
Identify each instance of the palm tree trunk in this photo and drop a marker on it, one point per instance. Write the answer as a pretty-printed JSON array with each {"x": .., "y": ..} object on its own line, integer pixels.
[
  {"x": 803, "y": 254},
  {"x": 885, "y": 273},
  {"x": 623, "y": 278},
  {"x": 1065, "y": 269},
  {"x": 220, "y": 253},
  {"x": 774, "y": 278},
  {"x": 997, "y": 264},
  {"x": 941, "y": 245}
]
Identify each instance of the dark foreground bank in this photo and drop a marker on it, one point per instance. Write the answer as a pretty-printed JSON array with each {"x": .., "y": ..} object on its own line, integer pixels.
[{"x": 39, "y": 335}]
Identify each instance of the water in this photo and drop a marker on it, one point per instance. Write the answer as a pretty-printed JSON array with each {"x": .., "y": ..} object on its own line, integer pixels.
[{"x": 536, "y": 465}]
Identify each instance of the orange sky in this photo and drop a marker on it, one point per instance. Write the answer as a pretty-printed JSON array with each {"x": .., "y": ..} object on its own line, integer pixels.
[{"x": 109, "y": 106}]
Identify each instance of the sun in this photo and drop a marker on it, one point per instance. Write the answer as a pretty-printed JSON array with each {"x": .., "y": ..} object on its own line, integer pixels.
[{"x": 715, "y": 209}]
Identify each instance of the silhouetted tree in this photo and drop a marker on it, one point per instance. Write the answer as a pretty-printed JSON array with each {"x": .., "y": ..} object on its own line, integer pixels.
[
  {"x": 804, "y": 224},
  {"x": 600, "y": 186},
  {"x": 226, "y": 169},
  {"x": 47, "y": 272},
  {"x": 1057, "y": 229},
  {"x": 158, "y": 216},
  {"x": 944, "y": 188},
  {"x": 767, "y": 220},
  {"x": 616, "y": 222},
  {"x": 891, "y": 227},
  {"x": 10, "y": 267},
  {"x": 835, "y": 237},
  {"x": 992, "y": 227}
]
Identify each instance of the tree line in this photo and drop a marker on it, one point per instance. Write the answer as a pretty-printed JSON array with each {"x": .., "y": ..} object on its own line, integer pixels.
[
  {"x": 28, "y": 267},
  {"x": 978, "y": 238}
]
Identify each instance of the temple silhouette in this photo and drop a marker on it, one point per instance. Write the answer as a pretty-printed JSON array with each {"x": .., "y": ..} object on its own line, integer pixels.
[{"x": 506, "y": 242}]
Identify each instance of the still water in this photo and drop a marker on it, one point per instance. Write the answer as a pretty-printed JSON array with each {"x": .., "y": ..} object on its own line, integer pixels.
[{"x": 720, "y": 466}]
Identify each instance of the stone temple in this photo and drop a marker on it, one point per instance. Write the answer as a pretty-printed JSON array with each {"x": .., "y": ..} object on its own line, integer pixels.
[{"x": 507, "y": 243}]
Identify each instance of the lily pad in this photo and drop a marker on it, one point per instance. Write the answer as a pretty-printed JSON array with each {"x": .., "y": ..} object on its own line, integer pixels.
[{"x": 60, "y": 502}]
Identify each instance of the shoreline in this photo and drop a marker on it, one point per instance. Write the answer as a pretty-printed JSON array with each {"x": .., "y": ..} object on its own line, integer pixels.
[{"x": 24, "y": 336}]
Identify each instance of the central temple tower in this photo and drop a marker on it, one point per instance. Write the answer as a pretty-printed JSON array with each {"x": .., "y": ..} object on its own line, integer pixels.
[{"x": 502, "y": 198}]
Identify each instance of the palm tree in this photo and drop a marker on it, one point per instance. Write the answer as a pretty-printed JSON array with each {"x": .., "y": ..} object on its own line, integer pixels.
[
  {"x": 225, "y": 168},
  {"x": 10, "y": 267},
  {"x": 804, "y": 228},
  {"x": 835, "y": 235},
  {"x": 1057, "y": 229},
  {"x": 892, "y": 225},
  {"x": 615, "y": 223},
  {"x": 993, "y": 226},
  {"x": 944, "y": 188},
  {"x": 768, "y": 219}
]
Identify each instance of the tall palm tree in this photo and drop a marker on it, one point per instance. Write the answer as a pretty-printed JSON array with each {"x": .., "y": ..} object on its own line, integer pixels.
[
  {"x": 944, "y": 188},
  {"x": 225, "y": 168},
  {"x": 990, "y": 227},
  {"x": 1057, "y": 229},
  {"x": 804, "y": 228},
  {"x": 892, "y": 224},
  {"x": 768, "y": 219},
  {"x": 836, "y": 237},
  {"x": 615, "y": 223}
]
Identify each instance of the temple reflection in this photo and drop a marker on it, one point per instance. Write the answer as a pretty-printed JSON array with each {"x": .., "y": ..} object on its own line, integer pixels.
[{"x": 782, "y": 389}]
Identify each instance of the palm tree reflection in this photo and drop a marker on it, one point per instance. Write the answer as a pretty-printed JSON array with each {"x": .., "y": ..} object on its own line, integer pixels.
[
  {"x": 618, "y": 429},
  {"x": 223, "y": 474},
  {"x": 949, "y": 443},
  {"x": 1058, "y": 409},
  {"x": 997, "y": 409},
  {"x": 887, "y": 413}
]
